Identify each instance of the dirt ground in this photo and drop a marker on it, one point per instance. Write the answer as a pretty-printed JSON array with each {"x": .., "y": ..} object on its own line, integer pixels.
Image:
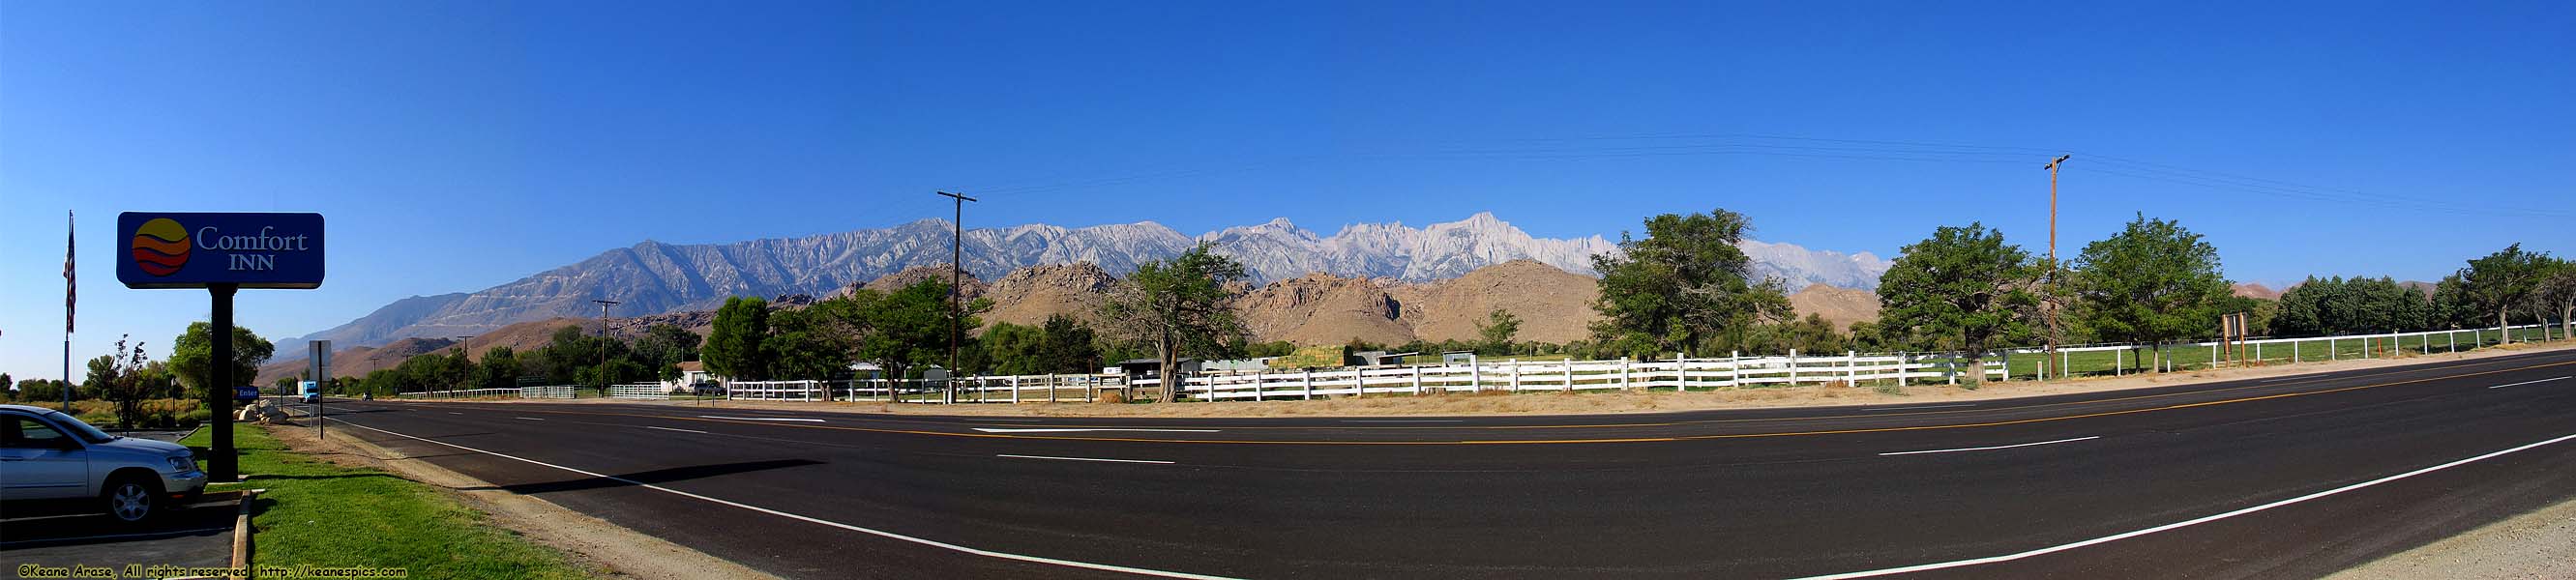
[
  {"x": 2537, "y": 545},
  {"x": 593, "y": 542},
  {"x": 1605, "y": 402}
]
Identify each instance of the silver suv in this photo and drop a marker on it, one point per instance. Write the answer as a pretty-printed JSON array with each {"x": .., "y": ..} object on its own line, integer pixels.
[{"x": 49, "y": 457}]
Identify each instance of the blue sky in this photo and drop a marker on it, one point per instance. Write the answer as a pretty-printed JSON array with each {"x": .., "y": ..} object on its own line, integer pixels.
[{"x": 454, "y": 146}]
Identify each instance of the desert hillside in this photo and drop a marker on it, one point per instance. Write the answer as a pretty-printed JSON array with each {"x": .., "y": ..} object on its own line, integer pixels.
[
  {"x": 1554, "y": 306},
  {"x": 1842, "y": 306}
]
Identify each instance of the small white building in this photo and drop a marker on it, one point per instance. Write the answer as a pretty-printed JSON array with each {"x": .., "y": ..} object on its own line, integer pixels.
[{"x": 692, "y": 373}]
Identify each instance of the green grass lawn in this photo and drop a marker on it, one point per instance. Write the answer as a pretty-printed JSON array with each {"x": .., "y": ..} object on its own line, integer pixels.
[{"x": 320, "y": 514}]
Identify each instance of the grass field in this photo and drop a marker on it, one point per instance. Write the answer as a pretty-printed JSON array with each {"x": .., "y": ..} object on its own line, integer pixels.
[{"x": 320, "y": 514}]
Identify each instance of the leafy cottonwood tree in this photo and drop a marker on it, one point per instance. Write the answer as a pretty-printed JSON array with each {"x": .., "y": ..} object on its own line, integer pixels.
[
  {"x": 1182, "y": 306},
  {"x": 2555, "y": 294},
  {"x": 191, "y": 356},
  {"x": 1498, "y": 329},
  {"x": 1683, "y": 287},
  {"x": 2501, "y": 282},
  {"x": 733, "y": 350},
  {"x": 2152, "y": 282},
  {"x": 2335, "y": 306},
  {"x": 499, "y": 370},
  {"x": 1962, "y": 289}
]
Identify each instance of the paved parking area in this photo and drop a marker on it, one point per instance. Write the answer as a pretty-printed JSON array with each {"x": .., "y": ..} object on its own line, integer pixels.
[{"x": 201, "y": 535}]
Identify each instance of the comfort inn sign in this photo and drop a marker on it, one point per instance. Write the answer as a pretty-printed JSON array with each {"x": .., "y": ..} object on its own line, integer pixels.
[{"x": 200, "y": 250}]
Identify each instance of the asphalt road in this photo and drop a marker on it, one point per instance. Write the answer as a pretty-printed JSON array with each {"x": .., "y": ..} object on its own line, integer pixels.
[{"x": 2288, "y": 477}]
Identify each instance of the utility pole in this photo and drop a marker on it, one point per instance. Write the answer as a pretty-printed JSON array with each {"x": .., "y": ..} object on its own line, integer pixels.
[
  {"x": 956, "y": 276},
  {"x": 462, "y": 356},
  {"x": 2050, "y": 304},
  {"x": 603, "y": 351}
]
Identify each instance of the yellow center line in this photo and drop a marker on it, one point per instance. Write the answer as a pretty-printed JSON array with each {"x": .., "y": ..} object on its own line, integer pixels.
[{"x": 1606, "y": 440}]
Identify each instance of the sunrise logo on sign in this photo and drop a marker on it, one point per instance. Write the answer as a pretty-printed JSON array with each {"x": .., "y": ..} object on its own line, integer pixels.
[{"x": 161, "y": 247}]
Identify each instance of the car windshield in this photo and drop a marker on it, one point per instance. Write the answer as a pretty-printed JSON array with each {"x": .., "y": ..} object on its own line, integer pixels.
[{"x": 86, "y": 432}]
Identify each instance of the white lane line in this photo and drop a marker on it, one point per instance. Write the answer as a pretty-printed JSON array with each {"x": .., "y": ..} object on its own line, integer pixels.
[
  {"x": 454, "y": 413},
  {"x": 679, "y": 430},
  {"x": 1991, "y": 448},
  {"x": 2180, "y": 524},
  {"x": 814, "y": 520},
  {"x": 1922, "y": 407},
  {"x": 759, "y": 418},
  {"x": 528, "y": 418},
  {"x": 1086, "y": 459},
  {"x": 1087, "y": 430},
  {"x": 2527, "y": 382},
  {"x": 1404, "y": 420}
]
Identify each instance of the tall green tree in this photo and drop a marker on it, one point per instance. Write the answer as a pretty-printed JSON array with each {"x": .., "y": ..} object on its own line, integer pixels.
[
  {"x": 2153, "y": 282},
  {"x": 192, "y": 357},
  {"x": 1183, "y": 307},
  {"x": 499, "y": 369},
  {"x": 908, "y": 328},
  {"x": 2337, "y": 306},
  {"x": 1067, "y": 346},
  {"x": 733, "y": 350},
  {"x": 2556, "y": 294},
  {"x": 2503, "y": 281},
  {"x": 1498, "y": 329},
  {"x": 1962, "y": 289},
  {"x": 664, "y": 347},
  {"x": 1683, "y": 287},
  {"x": 803, "y": 344}
]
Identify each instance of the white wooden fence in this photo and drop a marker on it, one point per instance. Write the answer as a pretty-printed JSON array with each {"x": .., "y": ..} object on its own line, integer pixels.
[
  {"x": 641, "y": 391},
  {"x": 546, "y": 392},
  {"x": 777, "y": 390},
  {"x": 2263, "y": 351},
  {"x": 1681, "y": 373},
  {"x": 461, "y": 394}
]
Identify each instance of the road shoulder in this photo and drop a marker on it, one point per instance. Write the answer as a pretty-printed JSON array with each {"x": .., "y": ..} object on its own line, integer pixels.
[{"x": 2540, "y": 544}]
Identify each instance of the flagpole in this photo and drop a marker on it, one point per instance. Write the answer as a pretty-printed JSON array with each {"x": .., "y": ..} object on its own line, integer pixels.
[{"x": 70, "y": 293}]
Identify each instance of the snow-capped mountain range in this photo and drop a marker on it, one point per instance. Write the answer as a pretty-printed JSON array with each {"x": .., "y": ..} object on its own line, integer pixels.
[{"x": 654, "y": 277}]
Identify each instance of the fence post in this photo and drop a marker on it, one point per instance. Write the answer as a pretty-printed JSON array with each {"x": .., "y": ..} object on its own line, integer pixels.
[
  {"x": 2213, "y": 356},
  {"x": 1475, "y": 374},
  {"x": 1681, "y": 372},
  {"x": 1624, "y": 382},
  {"x": 2332, "y": 353},
  {"x": 1981, "y": 370},
  {"x": 2119, "y": 361},
  {"x": 1851, "y": 368},
  {"x": 1793, "y": 367},
  {"x": 1516, "y": 374},
  {"x": 1734, "y": 368},
  {"x": 1417, "y": 380},
  {"x": 2454, "y": 338},
  {"x": 1310, "y": 384}
]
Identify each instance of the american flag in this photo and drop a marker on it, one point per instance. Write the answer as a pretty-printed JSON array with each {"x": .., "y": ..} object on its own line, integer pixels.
[{"x": 71, "y": 285}]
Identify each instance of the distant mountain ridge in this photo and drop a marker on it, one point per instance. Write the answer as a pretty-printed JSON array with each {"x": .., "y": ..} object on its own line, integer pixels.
[{"x": 653, "y": 277}]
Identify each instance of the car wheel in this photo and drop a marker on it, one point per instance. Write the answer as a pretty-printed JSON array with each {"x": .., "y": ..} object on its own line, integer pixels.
[{"x": 130, "y": 500}]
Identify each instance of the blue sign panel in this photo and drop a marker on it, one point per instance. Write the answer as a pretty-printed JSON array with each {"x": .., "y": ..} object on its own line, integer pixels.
[
  {"x": 245, "y": 393},
  {"x": 195, "y": 250}
]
